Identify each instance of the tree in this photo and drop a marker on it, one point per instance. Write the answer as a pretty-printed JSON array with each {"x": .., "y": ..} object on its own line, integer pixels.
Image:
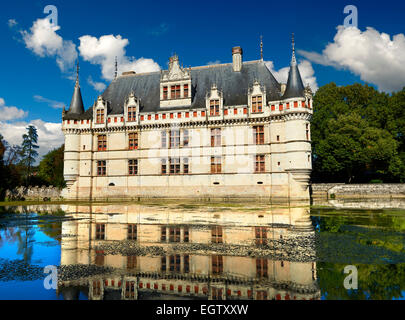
[
  {"x": 356, "y": 134},
  {"x": 2, "y": 148},
  {"x": 29, "y": 150},
  {"x": 51, "y": 168}
]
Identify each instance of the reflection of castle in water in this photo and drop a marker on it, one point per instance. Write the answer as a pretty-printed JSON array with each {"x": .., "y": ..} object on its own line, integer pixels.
[{"x": 149, "y": 253}]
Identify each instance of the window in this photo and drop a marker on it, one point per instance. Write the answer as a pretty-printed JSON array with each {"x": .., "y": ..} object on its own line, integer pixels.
[
  {"x": 216, "y": 294},
  {"x": 131, "y": 114},
  {"x": 307, "y": 131},
  {"x": 100, "y": 231},
  {"x": 100, "y": 116},
  {"x": 216, "y": 137},
  {"x": 175, "y": 263},
  {"x": 132, "y": 232},
  {"x": 165, "y": 93},
  {"x": 186, "y": 91},
  {"x": 130, "y": 290},
  {"x": 131, "y": 262},
  {"x": 261, "y": 295},
  {"x": 163, "y": 235},
  {"x": 174, "y": 234},
  {"x": 261, "y": 268},
  {"x": 164, "y": 139},
  {"x": 259, "y": 134},
  {"x": 164, "y": 166},
  {"x": 216, "y": 165},
  {"x": 175, "y": 166},
  {"x": 102, "y": 142},
  {"x": 216, "y": 235},
  {"x": 175, "y": 92},
  {"x": 133, "y": 167},
  {"x": 186, "y": 166},
  {"x": 186, "y": 268},
  {"x": 178, "y": 91},
  {"x": 217, "y": 265},
  {"x": 163, "y": 264},
  {"x": 96, "y": 288},
  {"x": 133, "y": 141},
  {"x": 214, "y": 108},
  {"x": 186, "y": 138},
  {"x": 260, "y": 165},
  {"x": 186, "y": 235},
  {"x": 257, "y": 104},
  {"x": 175, "y": 139},
  {"x": 101, "y": 168},
  {"x": 261, "y": 235},
  {"x": 172, "y": 92}
]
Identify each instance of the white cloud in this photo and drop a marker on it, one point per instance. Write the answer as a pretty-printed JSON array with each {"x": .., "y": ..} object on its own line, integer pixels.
[
  {"x": 98, "y": 86},
  {"x": 10, "y": 113},
  {"x": 50, "y": 135},
  {"x": 12, "y": 23},
  {"x": 306, "y": 71},
  {"x": 104, "y": 50},
  {"x": 43, "y": 40},
  {"x": 375, "y": 57},
  {"x": 52, "y": 103}
]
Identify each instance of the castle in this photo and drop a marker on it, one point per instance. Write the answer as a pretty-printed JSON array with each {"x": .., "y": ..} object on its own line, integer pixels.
[
  {"x": 140, "y": 254},
  {"x": 218, "y": 131}
]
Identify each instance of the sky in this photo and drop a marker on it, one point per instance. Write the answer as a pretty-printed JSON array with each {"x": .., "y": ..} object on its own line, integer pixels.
[{"x": 37, "y": 60}]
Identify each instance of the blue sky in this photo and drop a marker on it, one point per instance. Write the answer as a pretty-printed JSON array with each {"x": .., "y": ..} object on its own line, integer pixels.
[{"x": 200, "y": 32}]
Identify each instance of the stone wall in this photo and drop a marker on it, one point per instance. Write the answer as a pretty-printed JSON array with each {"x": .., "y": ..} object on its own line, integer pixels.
[
  {"x": 33, "y": 193},
  {"x": 358, "y": 191}
]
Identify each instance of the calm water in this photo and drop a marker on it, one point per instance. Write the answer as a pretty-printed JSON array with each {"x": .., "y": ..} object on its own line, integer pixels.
[{"x": 200, "y": 251}]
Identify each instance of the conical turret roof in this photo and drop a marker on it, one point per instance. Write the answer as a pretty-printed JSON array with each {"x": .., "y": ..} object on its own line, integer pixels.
[
  {"x": 76, "y": 105},
  {"x": 295, "y": 87}
]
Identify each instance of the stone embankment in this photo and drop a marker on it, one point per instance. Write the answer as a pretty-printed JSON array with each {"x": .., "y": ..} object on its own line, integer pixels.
[
  {"x": 358, "y": 191},
  {"x": 50, "y": 193}
]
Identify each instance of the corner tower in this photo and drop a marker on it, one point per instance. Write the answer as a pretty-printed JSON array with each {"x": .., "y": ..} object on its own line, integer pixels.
[
  {"x": 72, "y": 137},
  {"x": 298, "y": 116}
]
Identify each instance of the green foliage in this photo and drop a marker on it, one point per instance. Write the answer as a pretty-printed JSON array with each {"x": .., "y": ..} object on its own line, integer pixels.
[
  {"x": 51, "y": 168},
  {"x": 358, "y": 134},
  {"x": 29, "y": 150}
]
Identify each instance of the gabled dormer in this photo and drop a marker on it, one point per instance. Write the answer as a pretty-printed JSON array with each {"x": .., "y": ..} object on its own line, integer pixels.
[
  {"x": 100, "y": 112},
  {"x": 214, "y": 102},
  {"x": 175, "y": 85},
  {"x": 131, "y": 108},
  {"x": 257, "y": 98}
]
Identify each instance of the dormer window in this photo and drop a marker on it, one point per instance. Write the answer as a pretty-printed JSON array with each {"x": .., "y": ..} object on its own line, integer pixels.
[
  {"x": 214, "y": 101},
  {"x": 214, "y": 108},
  {"x": 257, "y": 104},
  {"x": 175, "y": 85},
  {"x": 131, "y": 114},
  {"x": 100, "y": 116},
  {"x": 257, "y": 98}
]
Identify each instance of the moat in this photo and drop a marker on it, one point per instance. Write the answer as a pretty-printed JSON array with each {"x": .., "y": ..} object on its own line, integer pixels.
[{"x": 203, "y": 251}]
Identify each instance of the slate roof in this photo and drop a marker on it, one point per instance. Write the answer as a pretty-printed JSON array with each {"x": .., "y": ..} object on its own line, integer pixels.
[
  {"x": 234, "y": 86},
  {"x": 76, "y": 105}
]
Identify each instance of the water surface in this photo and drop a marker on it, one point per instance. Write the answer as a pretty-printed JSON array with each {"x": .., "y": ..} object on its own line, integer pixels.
[{"x": 202, "y": 251}]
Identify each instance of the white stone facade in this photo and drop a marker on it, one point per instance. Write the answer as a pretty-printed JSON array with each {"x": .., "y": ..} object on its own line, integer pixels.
[{"x": 261, "y": 152}]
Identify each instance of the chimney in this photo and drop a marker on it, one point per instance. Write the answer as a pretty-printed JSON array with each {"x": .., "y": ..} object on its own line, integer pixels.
[{"x": 237, "y": 53}]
